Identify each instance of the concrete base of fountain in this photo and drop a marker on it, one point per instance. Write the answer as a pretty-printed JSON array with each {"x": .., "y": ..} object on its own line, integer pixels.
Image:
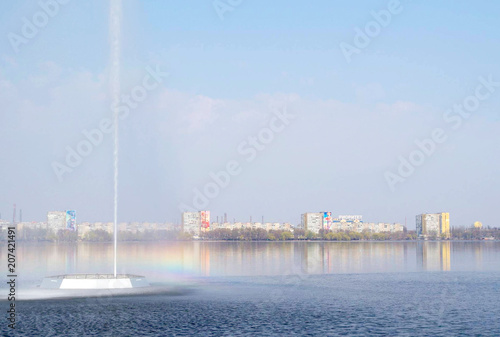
[{"x": 94, "y": 281}]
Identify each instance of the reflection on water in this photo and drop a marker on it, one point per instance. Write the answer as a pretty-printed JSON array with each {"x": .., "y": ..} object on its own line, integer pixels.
[
  {"x": 445, "y": 256},
  {"x": 163, "y": 260},
  {"x": 433, "y": 256}
]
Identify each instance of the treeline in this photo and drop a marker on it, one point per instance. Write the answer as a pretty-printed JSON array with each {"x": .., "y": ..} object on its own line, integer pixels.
[
  {"x": 299, "y": 234},
  {"x": 39, "y": 234},
  {"x": 148, "y": 235},
  {"x": 463, "y": 233},
  {"x": 98, "y": 235},
  {"x": 43, "y": 234}
]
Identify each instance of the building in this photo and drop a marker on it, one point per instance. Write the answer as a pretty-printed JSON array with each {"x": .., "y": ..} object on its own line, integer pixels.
[
  {"x": 56, "y": 220},
  {"x": 71, "y": 220},
  {"x": 27, "y": 230},
  {"x": 313, "y": 221},
  {"x": 348, "y": 223},
  {"x": 356, "y": 225},
  {"x": 252, "y": 225},
  {"x": 195, "y": 222},
  {"x": 431, "y": 225},
  {"x": 382, "y": 227},
  {"x": 351, "y": 218}
]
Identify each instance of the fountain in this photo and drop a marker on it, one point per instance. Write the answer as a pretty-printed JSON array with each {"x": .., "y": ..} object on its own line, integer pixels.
[{"x": 105, "y": 281}]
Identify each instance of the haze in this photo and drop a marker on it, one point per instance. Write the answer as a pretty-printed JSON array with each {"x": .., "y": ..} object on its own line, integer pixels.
[{"x": 227, "y": 78}]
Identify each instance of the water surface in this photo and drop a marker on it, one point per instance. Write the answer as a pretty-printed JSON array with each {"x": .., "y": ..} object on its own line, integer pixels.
[{"x": 272, "y": 288}]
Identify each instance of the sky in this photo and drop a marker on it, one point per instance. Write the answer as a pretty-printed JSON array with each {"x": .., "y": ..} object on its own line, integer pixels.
[{"x": 252, "y": 108}]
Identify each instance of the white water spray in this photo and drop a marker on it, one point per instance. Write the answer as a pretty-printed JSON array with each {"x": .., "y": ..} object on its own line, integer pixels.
[{"x": 115, "y": 33}]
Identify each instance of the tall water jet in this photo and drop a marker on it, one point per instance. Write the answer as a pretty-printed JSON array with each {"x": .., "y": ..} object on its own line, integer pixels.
[
  {"x": 115, "y": 15},
  {"x": 106, "y": 281}
]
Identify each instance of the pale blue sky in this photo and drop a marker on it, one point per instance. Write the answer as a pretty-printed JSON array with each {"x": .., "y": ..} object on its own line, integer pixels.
[{"x": 353, "y": 120}]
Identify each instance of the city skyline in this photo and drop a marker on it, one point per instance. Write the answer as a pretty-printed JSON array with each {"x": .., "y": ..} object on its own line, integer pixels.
[
  {"x": 224, "y": 218},
  {"x": 354, "y": 121}
]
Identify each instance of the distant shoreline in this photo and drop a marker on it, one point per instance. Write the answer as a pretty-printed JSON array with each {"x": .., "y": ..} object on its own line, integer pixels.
[{"x": 260, "y": 241}]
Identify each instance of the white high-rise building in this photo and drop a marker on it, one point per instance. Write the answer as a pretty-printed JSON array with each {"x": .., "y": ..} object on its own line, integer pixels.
[
  {"x": 191, "y": 222},
  {"x": 312, "y": 222},
  {"x": 56, "y": 220},
  {"x": 195, "y": 222}
]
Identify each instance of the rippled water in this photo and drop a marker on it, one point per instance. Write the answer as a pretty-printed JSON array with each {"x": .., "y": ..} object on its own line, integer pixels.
[{"x": 235, "y": 289}]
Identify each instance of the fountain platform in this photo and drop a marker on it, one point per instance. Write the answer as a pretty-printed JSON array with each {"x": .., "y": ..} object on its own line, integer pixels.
[{"x": 94, "y": 281}]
